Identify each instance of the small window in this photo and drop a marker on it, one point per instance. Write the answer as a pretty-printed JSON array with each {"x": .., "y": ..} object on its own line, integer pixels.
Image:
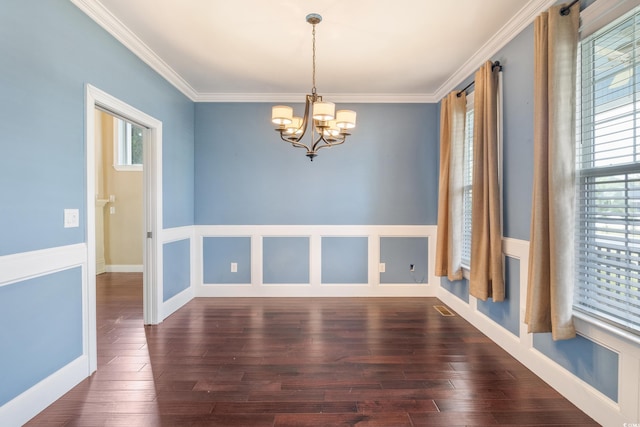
[
  {"x": 466, "y": 184},
  {"x": 127, "y": 155}
]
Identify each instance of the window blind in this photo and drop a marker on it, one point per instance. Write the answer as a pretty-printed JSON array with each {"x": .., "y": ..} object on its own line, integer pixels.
[
  {"x": 466, "y": 184},
  {"x": 608, "y": 174}
]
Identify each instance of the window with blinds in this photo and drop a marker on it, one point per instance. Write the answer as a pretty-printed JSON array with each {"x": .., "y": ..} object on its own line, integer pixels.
[
  {"x": 466, "y": 184},
  {"x": 608, "y": 174}
]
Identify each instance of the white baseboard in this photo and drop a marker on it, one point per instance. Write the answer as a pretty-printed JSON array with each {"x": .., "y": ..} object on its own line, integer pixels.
[
  {"x": 176, "y": 302},
  {"x": 591, "y": 401},
  {"x": 125, "y": 268},
  {"x": 31, "y": 402},
  {"x": 306, "y": 290}
]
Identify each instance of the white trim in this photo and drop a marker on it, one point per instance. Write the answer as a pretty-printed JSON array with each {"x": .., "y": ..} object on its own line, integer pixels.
[
  {"x": 177, "y": 233},
  {"x": 360, "y": 98},
  {"x": 584, "y": 396},
  {"x": 23, "y": 266},
  {"x": 152, "y": 181},
  {"x": 315, "y": 287},
  {"x": 101, "y": 15},
  {"x": 176, "y": 302},
  {"x": 603, "y": 12},
  {"x": 125, "y": 268},
  {"x": 128, "y": 168},
  {"x": 305, "y": 290},
  {"x": 27, "y": 265},
  {"x": 500, "y": 39},
  {"x": 27, "y": 405}
]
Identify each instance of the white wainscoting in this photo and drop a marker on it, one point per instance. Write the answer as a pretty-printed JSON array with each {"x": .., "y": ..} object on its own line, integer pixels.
[
  {"x": 17, "y": 268},
  {"x": 588, "y": 399},
  {"x": 315, "y": 288},
  {"x": 173, "y": 235}
]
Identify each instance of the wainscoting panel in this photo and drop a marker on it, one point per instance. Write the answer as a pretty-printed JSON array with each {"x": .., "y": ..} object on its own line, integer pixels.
[
  {"x": 45, "y": 314},
  {"x": 578, "y": 377},
  {"x": 288, "y": 261}
]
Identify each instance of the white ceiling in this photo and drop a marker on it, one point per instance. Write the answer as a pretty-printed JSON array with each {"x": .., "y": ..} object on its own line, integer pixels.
[{"x": 367, "y": 50}]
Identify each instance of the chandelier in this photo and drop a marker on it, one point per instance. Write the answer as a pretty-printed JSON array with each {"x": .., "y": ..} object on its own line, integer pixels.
[{"x": 328, "y": 127}]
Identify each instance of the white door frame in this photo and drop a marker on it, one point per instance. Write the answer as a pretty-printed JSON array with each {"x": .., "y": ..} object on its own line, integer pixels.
[{"x": 152, "y": 201}]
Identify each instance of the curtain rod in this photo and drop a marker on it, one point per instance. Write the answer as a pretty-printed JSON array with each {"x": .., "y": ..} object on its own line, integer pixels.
[
  {"x": 495, "y": 65},
  {"x": 567, "y": 9}
]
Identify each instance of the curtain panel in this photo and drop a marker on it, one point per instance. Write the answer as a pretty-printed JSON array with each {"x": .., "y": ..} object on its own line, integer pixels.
[
  {"x": 486, "y": 270},
  {"x": 450, "y": 191},
  {"x": 551, "y": 250}
]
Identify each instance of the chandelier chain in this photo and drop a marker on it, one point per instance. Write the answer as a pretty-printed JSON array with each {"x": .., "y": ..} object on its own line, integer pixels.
[{"x": 313, "y": 33}]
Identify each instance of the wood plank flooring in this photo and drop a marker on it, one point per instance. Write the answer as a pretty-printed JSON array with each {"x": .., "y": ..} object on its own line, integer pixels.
[{"x": 299, "y": 362}]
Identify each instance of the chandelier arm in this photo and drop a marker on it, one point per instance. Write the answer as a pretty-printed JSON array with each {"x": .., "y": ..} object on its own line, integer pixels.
[
  {"x": 326, "y": 144},
  {"x": 305, "y": 117},
  {"x": 295, "y": 142}
]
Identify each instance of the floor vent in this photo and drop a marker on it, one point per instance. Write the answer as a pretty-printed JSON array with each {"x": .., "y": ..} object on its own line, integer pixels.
[{"x": 444, "y": 310}]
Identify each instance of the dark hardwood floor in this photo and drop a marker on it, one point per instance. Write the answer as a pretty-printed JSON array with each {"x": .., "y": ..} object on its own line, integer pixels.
[{"x": 299, "y": 362}]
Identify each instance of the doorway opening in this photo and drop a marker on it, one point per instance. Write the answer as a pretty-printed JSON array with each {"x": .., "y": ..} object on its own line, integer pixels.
[
  {"x": 119, "y": 168},
  {"x": 151, "y": 129}
]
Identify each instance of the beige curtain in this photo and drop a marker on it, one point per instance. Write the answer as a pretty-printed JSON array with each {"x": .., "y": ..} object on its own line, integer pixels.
[
  {"x": 551, "y": 250},
  {"x": 487, "y": 276},
  {"x": 449, "y": 240}
]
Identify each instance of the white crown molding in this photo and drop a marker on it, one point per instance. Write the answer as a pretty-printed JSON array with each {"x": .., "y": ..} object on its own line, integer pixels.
[
  {"x": 103, "y": 17},
  {"x": 508, "y": 32},
  {"x": 96, "y": 11},
  {"x": 361, "y": 98}
]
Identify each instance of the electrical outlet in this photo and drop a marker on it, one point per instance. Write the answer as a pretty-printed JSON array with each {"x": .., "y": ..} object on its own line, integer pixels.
[
  {"x": 381, "y": 267},
  {"x": 234, "y": 267},
  {"x": 71, "y": 218},
  {"x": 412, "y": 267}
]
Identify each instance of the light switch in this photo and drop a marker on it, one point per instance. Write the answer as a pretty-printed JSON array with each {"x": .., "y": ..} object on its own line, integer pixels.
[
  {"x": 71, "y": 218},
  {"x": 234, "y": 267},
  {"x": 112, "y": 210},
  {"x": 112, "y": 198}
]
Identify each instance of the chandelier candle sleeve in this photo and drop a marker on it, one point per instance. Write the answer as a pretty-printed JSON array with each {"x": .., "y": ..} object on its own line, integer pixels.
[{"x": 328, "y": 127}]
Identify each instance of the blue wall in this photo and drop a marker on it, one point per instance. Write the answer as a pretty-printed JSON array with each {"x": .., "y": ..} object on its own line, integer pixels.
[
  {"x": 596, "y": 365},
  {"x": 345, "y": 260},
  {"x": 176, "y": 274},
  {"x": 585, "y": 359},
  {"x": 49, "y": 51},
  {"x": 40, "y": 329},
  {"x": 285, "y": 260},
  {"x": 459, "y": 288},
  {"x": 517, "y": 79},
  {"x": 398, "y": 254},
  {"x": 217, "y": 255},
  {"x": 506, "y": 313},
  {"x": 385, "y": 173}
]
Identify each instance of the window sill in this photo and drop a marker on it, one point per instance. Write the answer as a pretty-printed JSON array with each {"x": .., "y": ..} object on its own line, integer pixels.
[
  {"x": 586, "y": 320},
  {"x": 128, "y": 168}
]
